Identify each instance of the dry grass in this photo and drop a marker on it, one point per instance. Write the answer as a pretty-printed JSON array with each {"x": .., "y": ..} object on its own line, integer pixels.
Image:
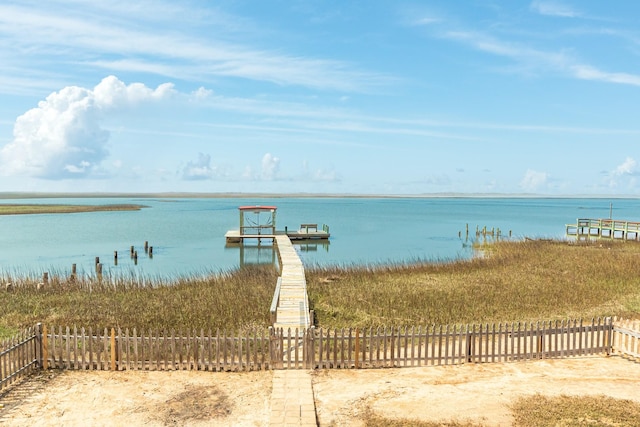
[
  {"x": 373, "y": 420},
  {"x": 567, "y": 411},
  {"x": 514, "y": 281},
  {"x": 542, "y": 411},
  {"x": 237, "y": 301}
]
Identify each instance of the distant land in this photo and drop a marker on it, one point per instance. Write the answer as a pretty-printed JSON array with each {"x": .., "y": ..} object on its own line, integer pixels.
[
  {"x": 36, "y": 208},
  {"x": 233, "y": 195}
]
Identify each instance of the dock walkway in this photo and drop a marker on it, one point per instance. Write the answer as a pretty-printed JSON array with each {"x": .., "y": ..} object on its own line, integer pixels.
[{"x": 292, "y": 302}]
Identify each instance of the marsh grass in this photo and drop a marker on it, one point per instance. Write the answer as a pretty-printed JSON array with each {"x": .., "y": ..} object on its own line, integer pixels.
[
  {"x": 513, "y": 281},
  {"x": 235, "y": 301}
]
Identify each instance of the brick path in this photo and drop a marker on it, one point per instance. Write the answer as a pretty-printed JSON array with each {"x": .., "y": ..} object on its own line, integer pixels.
[{"x": 292, "y": 401}]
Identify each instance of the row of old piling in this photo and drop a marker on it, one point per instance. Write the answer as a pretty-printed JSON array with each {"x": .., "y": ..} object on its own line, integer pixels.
[
  {"x": 133, "y": 253},
  {"x": 484, "y": 232}
]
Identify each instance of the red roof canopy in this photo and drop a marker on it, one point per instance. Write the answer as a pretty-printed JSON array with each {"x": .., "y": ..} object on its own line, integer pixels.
[{"x": 257, "y": 208}]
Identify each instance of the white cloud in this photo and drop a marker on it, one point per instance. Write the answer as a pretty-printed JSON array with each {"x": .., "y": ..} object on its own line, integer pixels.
[
  {"x": 97, "y": 37},
  {"x": 628, "y": 167},
  {"x": 624, "y": 174},
  {"x": 534, "y": 180},
  {"x": 327, "y": 175},
  {"x": 201, "y": 93},
  {"x": 553, "y": 8},
  {"x": 200, "y": 169},
  {"x": 534, "y": 60},
  {"x": 270, "y": 167},
  {"x": 586, "y": 72},
  {"x": 62, "y": 136}
]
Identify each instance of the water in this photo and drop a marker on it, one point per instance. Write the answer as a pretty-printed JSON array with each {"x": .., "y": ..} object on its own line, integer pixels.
[{"x": 187, "y": 235}]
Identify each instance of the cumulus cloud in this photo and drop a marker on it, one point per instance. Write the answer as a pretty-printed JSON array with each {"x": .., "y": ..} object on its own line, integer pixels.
[
  {"x": 270, "y": 167},
  {"x": 534, "y": 180},
  {"x": 628, "y": 167},
  {"x": 625, "y": 172},
  {"x": 201, "y": 93},
  {"x": 200, "y": 169},
  {"x": 62, "y": 136}
]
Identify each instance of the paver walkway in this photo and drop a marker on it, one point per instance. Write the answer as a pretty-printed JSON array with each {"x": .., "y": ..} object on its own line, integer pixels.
[{"x": 292, "y": 401}]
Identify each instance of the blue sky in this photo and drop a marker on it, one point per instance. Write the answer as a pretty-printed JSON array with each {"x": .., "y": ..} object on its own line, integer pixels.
[{"x": 370, "y": 97}]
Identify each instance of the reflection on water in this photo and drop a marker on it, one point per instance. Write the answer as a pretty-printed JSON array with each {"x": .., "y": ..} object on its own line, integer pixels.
[
  {"x": 311, "y": 245},
  {"x": 256, "y": 254},
  {"x": 264, "y": 252}
]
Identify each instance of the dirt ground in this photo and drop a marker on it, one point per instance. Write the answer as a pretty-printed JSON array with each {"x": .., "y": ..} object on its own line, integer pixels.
[{"x": 480, "y": 393}]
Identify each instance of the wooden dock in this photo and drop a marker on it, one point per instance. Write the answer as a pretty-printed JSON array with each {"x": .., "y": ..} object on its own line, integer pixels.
[
  {"x": 290, "y": 305},
  {"x": 234, "y": 236},
  {"x": 605, "y": 228}
]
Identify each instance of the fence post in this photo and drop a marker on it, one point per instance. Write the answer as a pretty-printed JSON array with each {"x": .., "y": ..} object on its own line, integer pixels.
[
  {"x": 45, "y": 348},
  {"x": 113, "y": 349},
  {"x": 470, "y": 338},
  {"x": 313, "y": 347},
  {"x": 357, "y": 350},
  {"x": 38, "y": 346}
]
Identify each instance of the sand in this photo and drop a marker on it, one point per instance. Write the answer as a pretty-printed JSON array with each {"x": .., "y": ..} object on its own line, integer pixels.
[{"x": 476, "y": 392}]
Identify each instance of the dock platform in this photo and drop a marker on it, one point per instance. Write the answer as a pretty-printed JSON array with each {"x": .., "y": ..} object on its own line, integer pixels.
[
  {"x": 604, "y": 228},
  {"x": 234, "y": 236}
]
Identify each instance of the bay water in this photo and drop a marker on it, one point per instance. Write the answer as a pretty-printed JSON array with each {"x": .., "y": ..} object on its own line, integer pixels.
[{"x": 187, "y": 234}]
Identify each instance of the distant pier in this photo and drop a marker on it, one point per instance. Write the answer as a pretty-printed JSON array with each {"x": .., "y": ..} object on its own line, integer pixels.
[
  {"x": 259, "y": 222},
  {"x": 605, "y": 228}
]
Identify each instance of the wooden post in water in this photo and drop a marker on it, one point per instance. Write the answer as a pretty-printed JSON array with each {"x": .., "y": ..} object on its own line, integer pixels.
[
  {"x": 146, "y": 246},
  {"x": 99, "y": 270},
  {"x": 115, "y": 257},
  {"x": 132, "y": 250},
  {"x": 135, "y": 257},
  {"x": 97, "y": 262},
  {"x": 150, "y": 251},
  {"x": 45, "y": 278},
  {"x": 73, "y": 272}
]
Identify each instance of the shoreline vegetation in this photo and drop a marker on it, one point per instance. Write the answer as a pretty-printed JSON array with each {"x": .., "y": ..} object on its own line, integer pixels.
[
  {"x": 236, "y": 195},
  {"x": 523, "y": 281},
  {"x": 29, "y": 209}
]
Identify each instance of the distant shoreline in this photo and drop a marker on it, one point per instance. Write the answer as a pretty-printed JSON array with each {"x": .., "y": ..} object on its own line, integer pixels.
[
  {"x": 235, "y": 195},
  {"x": 34, "y": 208}
]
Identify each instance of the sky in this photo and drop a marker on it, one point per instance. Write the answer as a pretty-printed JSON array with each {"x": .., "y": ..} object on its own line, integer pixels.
[{"x": 350, "y": 97}]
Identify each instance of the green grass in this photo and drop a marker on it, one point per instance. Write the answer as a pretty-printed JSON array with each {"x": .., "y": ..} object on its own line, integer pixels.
[{"x": 514, "y": 281}]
